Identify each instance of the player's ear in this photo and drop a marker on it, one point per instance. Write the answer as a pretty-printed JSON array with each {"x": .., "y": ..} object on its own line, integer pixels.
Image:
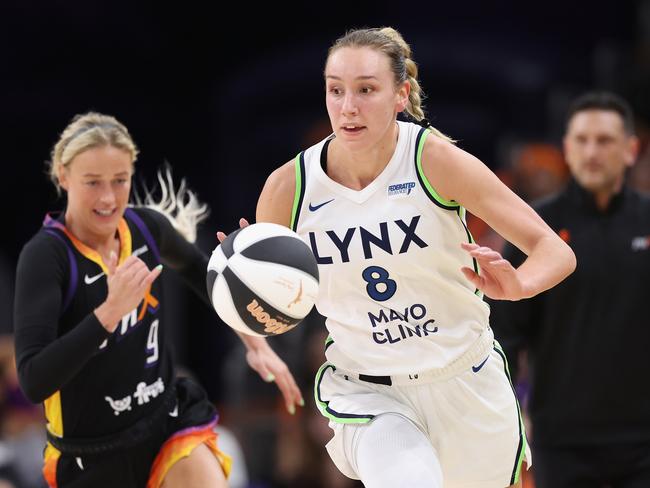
[
  {"x": 403, "y": 96},
  {"x": 62, "y": 176}
]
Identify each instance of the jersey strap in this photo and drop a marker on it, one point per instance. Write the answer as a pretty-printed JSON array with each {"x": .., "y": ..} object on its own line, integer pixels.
[
  {"x": 144, "y": 230},
  {"x": 54, "y": 228},
  {"x": 299, "y": 194}
]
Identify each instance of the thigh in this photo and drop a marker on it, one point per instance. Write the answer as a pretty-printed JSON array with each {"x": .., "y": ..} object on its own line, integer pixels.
[
  {"x": 348, "y": 403},
  {"x": 190, "y": 442},
  {"x": 197, "y": 470},
  {"x": 391, "y": 451},
  {"x": 475, "y": 423}
]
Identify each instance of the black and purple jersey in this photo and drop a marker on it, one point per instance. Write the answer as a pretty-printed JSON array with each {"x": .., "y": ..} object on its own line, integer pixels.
[{"x": 96, "y": 384}]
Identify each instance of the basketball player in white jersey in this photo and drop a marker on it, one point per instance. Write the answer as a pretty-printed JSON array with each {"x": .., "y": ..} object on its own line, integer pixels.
[{"x": 415, "y": 386}]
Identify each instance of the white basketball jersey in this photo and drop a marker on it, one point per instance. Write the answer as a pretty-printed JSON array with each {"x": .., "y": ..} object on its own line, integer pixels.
[{"x": 389, "y": 259}]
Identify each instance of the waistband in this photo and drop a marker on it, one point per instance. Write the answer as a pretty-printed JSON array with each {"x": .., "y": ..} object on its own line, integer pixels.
[
  {"x": 138, "y": 432},
  {"x": 476, "y": 353}
]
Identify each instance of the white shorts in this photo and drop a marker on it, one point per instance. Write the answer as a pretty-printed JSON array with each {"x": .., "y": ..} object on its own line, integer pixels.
[{"x": 472, "y": 419}]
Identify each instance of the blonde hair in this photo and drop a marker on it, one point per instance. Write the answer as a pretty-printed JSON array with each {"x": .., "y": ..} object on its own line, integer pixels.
[
  {"x": 92, "y": 129},
  {"x": 87, "y": 131},
  {"x": 181, "y": 207},
  {"x": 391, "y": 43}
]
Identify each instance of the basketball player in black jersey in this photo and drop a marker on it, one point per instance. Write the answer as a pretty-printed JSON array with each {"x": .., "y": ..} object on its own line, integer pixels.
[{"x": 91, "y": 342}]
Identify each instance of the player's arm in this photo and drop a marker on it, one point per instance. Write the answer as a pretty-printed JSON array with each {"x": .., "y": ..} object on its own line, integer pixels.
[
  {"x": 274, "y": 205},
  {"x": 46, "y": 362},
  {"x": 459, "y": 176},
  {"x": 177, "y": 253},
  {"x": 276, "y": 200}
]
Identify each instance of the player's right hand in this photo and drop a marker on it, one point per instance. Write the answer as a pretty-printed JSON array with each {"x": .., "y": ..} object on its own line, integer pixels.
[{"x": 127, "y": 285}]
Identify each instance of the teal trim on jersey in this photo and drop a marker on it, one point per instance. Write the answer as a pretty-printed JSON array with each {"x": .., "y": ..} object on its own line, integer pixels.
[
  {"x": 328, "y": 342},
  {"x": 298, "y": 193},
  {"x": 433, "y": 194},
  {"x": 326, "y": 411},
  {"x": 523, "y": 442}
]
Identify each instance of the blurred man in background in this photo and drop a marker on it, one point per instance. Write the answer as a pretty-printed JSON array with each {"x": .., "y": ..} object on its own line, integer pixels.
[{"x": 588, "y": 338}]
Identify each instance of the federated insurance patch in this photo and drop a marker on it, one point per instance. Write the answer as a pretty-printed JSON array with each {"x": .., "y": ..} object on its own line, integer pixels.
[{"x": 401, "y": 189}]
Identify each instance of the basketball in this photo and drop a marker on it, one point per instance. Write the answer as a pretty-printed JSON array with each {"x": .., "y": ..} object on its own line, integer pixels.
[{"x": 262, "y": 279}]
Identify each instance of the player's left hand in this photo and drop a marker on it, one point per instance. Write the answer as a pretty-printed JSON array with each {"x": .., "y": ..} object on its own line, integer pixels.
[
  {"x": 270, "y": 367},
  {"x": 498, "y": 278}
]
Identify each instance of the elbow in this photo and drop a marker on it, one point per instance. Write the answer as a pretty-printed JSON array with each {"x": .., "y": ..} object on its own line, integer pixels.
[
  {"x": 33, "y": 394},
  {"x": 31, "y": 390},
  {"x": 570, "y": 259}
]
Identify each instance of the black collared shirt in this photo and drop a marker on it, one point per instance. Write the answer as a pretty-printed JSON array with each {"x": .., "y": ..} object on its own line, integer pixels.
[{"x": 589, "y": 337}]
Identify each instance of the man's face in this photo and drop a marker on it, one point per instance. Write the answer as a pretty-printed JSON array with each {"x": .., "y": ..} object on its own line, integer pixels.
[{"x": 598, "y": 150}]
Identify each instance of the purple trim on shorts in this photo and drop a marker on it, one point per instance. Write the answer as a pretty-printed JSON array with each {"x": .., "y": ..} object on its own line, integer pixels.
[
  {"x": 72, "y": 284},
  {"x": 135, "y": 218},
  {"x": 196, "y": 428}
]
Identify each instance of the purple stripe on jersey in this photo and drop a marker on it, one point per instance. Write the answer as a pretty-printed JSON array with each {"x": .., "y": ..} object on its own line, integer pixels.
[
  {"x": 72, "y": 284},
  {"x": 144, "y": 230},
  {"x": 50, "y": 222}
]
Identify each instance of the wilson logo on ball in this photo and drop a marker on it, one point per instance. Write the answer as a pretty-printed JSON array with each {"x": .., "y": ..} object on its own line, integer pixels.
[
  {"x": 271, "y": 325},
  {"x": 263, "y": 279}
]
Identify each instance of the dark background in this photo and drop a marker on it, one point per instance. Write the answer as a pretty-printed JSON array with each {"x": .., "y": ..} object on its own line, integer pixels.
[{"x": 227, "y": 97}]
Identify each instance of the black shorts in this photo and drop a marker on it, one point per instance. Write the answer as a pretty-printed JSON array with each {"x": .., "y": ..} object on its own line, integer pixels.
[
  {"x": 130, "y": 466},
  {"x": 611, "y": 466}
]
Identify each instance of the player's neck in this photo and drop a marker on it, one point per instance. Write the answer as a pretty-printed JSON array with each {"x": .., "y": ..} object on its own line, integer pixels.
[
  {"x": 102, "y": 243},
  {"x": 357, "y": 169}
]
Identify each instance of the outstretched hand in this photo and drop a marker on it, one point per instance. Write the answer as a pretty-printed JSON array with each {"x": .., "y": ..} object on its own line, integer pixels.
[
  {"x": 270, "y": 367},
  {"x": 498, "y": 279}
]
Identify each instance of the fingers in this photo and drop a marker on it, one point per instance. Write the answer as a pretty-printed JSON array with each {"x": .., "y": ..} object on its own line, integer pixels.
[
  {"x": 152, "y": 275},
  {"x": 135, "y": 273},
  {"x": 275, "y": 370},
  {"x": 481, "y": 252},
  {"x": 471, "y": 275},
  {"x": 290, "y": 391},
  {"x": 222, "y": 235},
  {"x": 260, "y": 367},
  {"x": 112, "y": 262}
]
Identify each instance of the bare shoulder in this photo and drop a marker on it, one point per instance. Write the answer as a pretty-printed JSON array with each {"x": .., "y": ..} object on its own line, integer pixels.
[
  {"x": 283, "y": 177},
  {"x": 447, "y": 167},
  {"x": 276, "y": 200}
]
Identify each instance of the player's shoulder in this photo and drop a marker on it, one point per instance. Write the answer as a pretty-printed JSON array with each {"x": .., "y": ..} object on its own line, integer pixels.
[
  {"x": 283, "y": 178},
  {"x": 148, "y": 220},
  {"x": 45, "y": 248},
  {"x": 147, "y": 214},
  {"x": 46, "y": 237}
]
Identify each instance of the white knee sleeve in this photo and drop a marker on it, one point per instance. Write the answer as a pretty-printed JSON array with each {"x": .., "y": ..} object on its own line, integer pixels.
[{"x": 392, "y": 452}]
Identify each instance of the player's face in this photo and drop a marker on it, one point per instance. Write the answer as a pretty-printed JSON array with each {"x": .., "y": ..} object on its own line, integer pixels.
[
  {"x": 598, "y": 150},
  {"x": 98, "y": 182},
  {"x": 361, "y": 96}
]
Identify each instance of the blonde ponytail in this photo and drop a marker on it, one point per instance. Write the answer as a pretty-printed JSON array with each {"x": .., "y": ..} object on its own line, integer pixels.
[{"x": 181, "y": 207}]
